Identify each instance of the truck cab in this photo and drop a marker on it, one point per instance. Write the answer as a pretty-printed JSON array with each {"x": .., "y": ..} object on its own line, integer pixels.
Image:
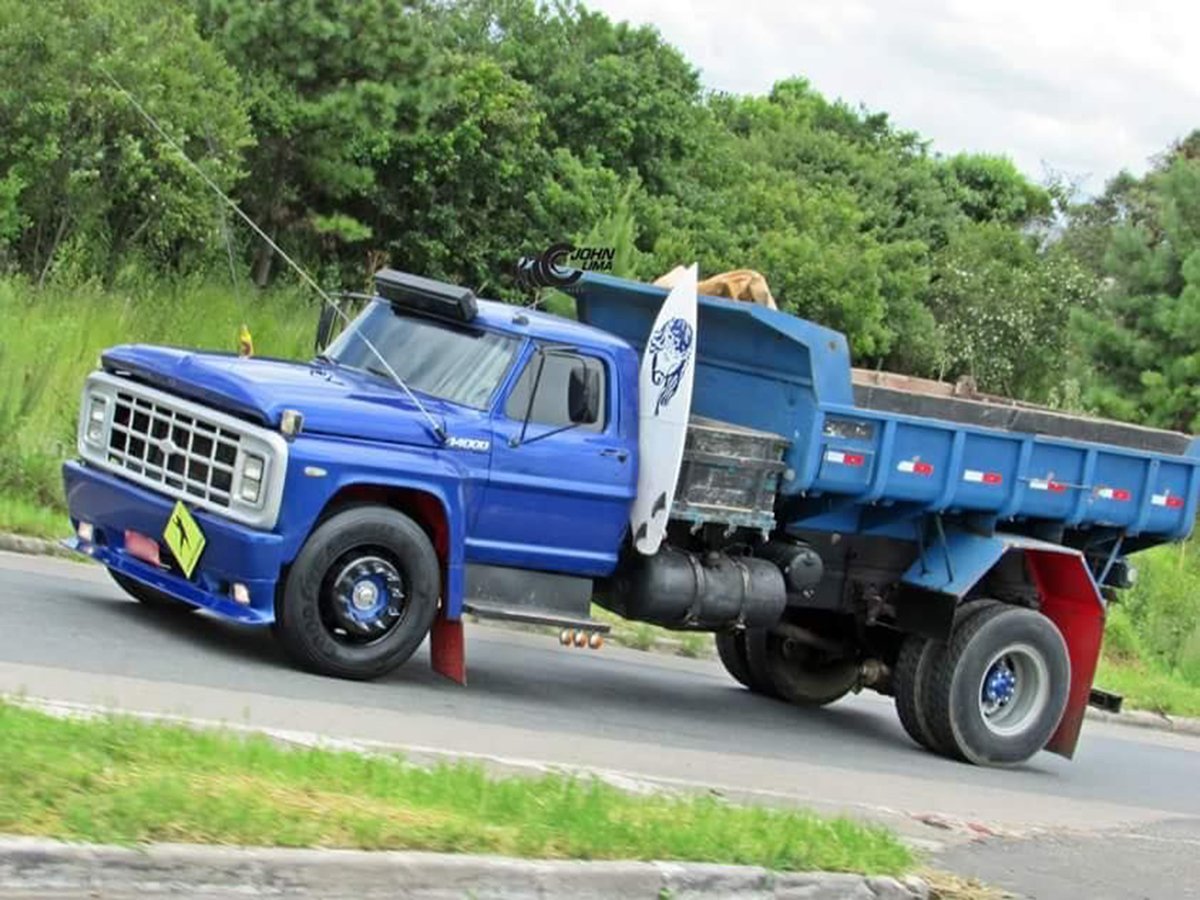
[{"x": 513, "y": 446}]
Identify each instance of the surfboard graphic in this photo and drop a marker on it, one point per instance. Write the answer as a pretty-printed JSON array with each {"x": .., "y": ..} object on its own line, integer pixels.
[{"x": 664, "y": 402}]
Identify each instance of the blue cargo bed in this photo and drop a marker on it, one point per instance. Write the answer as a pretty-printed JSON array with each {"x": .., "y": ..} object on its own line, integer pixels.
[{"x": 872, "y": 467}]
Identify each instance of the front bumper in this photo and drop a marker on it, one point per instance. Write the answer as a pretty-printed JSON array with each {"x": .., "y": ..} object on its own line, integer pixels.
[{"x": 233, "y": 553}]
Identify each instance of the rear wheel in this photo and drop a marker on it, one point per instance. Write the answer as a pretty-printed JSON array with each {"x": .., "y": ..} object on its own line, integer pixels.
[
  {"x": 917, "y": 657},
  {"x": 148, "y": 596},
  {"x": 754, "y": 643},
  {"x": 799, "y": 673},
  {"x": 731, "y": 650},
  {"x": 361, "y": 595},
  {"x": 1000, "y": 689},
  {"x": 908, "y": 679}
]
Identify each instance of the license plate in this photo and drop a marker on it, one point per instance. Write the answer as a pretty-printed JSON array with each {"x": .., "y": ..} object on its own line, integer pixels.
[
  {"x": 141, "y": 547},
  {"x": 185, "y": 538}
]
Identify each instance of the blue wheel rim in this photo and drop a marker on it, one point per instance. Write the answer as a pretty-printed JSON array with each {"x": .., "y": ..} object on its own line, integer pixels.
[
  {"x": 1014, "y": 690},
  {"x": 366, "y": 599}
]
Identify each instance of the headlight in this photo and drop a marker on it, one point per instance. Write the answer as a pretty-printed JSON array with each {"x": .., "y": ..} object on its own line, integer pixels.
[
  {"x": 95, "y": 420},
  {"x": 252, "y": 474}
]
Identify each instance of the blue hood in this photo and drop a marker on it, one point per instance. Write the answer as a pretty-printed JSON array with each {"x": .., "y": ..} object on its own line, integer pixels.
[{"x": 333, "y": 400}]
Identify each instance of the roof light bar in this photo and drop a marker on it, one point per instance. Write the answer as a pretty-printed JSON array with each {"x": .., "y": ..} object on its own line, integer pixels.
[{"x": 424, "y": 295}]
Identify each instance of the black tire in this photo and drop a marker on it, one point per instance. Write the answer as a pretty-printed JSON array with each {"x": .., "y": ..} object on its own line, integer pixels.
[
  {"x": 800, "y": 675},
  {"x": 732, "y": 653},
  {"x": 754, "y": 645},
  {"x": 148, "y": 596},
  {"x": 908, "y": 681},
  {"x": 910, "y": 678},
  {"x": 311, "y": 618},
  {"x": 1002, "y": 639}
]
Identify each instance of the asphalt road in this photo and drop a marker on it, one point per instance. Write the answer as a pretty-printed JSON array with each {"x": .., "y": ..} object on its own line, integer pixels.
[{"x": 1126, "y": 809}]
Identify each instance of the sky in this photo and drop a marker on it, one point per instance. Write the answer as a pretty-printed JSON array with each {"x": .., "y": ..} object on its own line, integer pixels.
[{"x": 1077, "y": 89}]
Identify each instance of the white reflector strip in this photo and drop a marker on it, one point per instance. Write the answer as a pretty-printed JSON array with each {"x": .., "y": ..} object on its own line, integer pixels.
[
  {"x": 1167, "y": 500},
  {"x": 844, "y": 459},
  {"x": 1046, "y": 484},
  {"x": 976, "y": 477}
]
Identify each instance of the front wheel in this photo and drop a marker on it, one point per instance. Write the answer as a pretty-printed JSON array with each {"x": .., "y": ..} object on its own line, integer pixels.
[
  {"x": 1000, "y": 689},
  {"x": 361, "y": 595}
]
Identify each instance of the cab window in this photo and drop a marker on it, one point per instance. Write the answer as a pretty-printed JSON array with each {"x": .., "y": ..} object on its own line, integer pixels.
[{"x": 550, "y": 405}]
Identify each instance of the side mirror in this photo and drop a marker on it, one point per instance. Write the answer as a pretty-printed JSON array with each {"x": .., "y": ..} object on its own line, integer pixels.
[
  {"x": 583, "y": 395},
  {"x": 325, "y": 327}
]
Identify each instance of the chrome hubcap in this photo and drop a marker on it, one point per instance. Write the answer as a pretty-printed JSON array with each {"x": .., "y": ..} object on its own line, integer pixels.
[
  {"x": 365, "y": 595},
  {"x": 1014, "y": 690},
  {"x": 367, "y": 598}
]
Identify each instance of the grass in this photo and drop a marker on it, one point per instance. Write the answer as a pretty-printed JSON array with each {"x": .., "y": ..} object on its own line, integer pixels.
[
  {"x": 1152, "y": 638},
  {"x": 1145, "y": 687},
  {"x": 20, "y": 516},
  {"x": 644, "y": 636},
  {"x": 118, "y": 780},
  {"x": 695, "y": 644},
  {"x": 62, "y": 331}
]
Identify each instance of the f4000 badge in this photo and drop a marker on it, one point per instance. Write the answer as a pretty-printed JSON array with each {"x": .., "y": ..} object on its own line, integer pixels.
[{"x": 476, "y": 445}]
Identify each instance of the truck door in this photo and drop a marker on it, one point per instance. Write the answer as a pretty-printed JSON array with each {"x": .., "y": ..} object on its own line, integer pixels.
[{"x": 558, "y": 497}]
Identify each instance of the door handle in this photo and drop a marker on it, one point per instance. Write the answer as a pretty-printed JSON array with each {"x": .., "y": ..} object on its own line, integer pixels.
[{"x": 620, "y": 453}]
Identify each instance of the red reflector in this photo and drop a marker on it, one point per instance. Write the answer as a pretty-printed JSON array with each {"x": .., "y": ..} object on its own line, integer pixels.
[
  {"x": 1174, "y": 503},
  {"x": 142, "y": 547},
  {"x": 1057, "y": 486},
  {"x": 922, "y": 468},
  {"x": 1122, "y": 495},
  {"x": 854, "y": 459},
  {"x": 992, "y": 478}
]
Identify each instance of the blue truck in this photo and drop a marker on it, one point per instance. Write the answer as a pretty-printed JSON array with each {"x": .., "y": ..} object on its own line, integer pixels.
[{"x": 446, "y": 455}]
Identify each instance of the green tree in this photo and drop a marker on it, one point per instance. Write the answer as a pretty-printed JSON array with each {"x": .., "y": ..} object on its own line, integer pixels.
[
  {"x": 455, "y": 196},
  {"x": 83, "y": 178},
  {"x": 1141, "y": 346},
  {"x": 1002, "y": 307},
  {"x": 991, "y": 189},
  {"x": 332, "y": 87},
  {"x": 613, "y": 94},
  {"x": 842, "y": 211}
]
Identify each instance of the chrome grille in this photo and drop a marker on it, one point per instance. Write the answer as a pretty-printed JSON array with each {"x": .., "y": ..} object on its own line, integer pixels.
[
  {"x": 183, "y": 449},
  {"x": 180, "y": 451}
]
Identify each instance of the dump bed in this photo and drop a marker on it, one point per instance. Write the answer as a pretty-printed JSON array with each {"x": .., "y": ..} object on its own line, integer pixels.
[{"x": 897, "y": 454}]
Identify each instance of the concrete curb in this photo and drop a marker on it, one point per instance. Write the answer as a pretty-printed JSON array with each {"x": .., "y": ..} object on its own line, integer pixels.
[
  {"x": 18, "y": 543},
  {"x": 37, "y": 867},
  {"x": 1140, "y": 718}
]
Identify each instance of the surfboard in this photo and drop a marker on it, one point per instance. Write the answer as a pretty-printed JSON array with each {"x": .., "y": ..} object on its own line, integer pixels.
[{"x": 664, "y": 402}]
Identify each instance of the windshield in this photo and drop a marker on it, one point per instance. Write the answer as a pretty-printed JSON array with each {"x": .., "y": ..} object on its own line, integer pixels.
[{"x": 436, "y": 358}]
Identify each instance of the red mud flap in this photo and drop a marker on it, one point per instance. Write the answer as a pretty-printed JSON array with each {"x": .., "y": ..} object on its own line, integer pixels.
[
  {"x": 448, "y": 649},
  {"x": 1071, "y": 601}
]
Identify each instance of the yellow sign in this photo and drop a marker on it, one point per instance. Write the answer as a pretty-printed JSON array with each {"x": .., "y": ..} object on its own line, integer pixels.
[{"x": 185, "y": 538}]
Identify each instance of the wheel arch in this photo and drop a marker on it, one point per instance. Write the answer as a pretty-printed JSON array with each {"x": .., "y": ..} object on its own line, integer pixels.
[
  {"x": 1067, "y": 594},
  {"x": 442, "y": 520},
  {"x": 422, "y": 506}
]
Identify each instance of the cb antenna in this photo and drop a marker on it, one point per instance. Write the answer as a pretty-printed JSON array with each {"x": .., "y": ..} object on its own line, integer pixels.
[{"x": 438, "y": 430}]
